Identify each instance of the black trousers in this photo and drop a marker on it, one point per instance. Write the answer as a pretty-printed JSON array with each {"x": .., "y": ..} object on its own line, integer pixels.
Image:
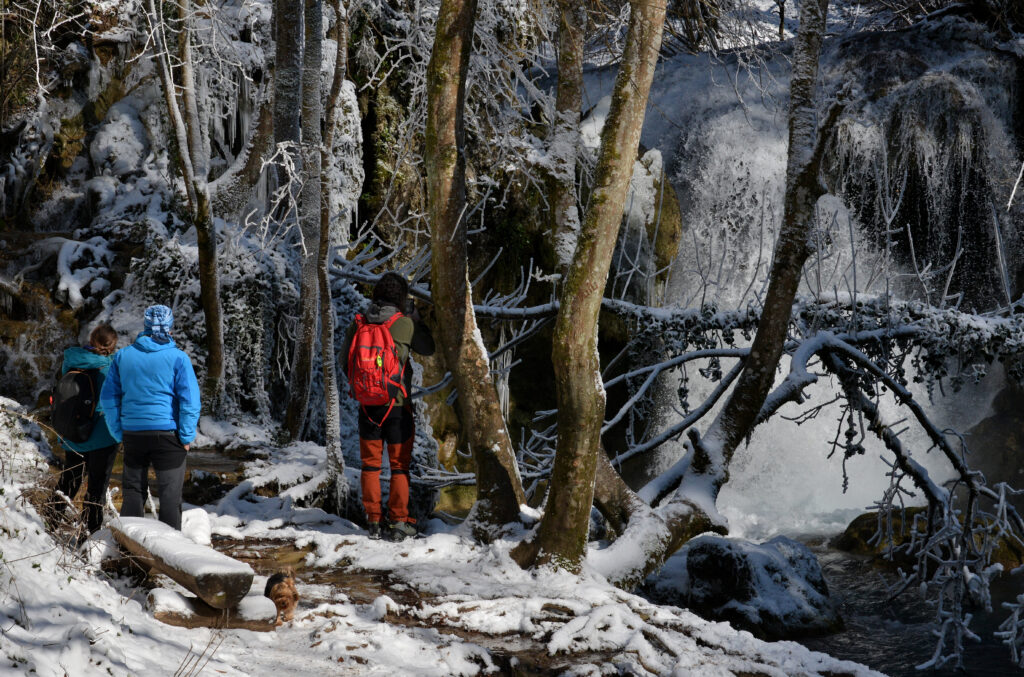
[
  {"x": 97, "y": 464},
  {"x": 162, "y": 450}
]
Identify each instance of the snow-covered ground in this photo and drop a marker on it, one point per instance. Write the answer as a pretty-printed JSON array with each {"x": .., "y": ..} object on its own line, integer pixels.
[{"x": 476, "y": 609}]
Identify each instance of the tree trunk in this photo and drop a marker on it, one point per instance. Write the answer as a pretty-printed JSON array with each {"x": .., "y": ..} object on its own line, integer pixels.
[
  {"x": 288, "y": 63},
  {"x": 309, "y": 221},
  {"x": 214, "y": 577},
  {"x": 499, "y": 488},
  {"x": 336, "y": 483},
  {"x": 209, "y": 295},
  {"x": 562, "y": 536},
  {"x": 803, "y": 188},
  {"x": 188, "y": 135},
  {"x": 691, "y": 509},
  {"x": 565, "y": 134}
]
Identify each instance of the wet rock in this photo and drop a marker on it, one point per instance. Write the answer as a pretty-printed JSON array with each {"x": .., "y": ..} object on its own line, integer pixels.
[
  {"x": 775, "y": 589},
  {"x": 859, "y": 536},
  {"x": 859, "y": 539}
]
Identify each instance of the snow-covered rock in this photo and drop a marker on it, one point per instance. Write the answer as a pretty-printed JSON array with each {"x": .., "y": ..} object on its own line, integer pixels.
[
  {"x": 120, "y": 144},
  {"x": 774, "y": 589}
]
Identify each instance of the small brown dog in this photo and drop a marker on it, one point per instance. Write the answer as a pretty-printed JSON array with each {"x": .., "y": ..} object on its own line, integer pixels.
[{"x": 281, "y": 589}]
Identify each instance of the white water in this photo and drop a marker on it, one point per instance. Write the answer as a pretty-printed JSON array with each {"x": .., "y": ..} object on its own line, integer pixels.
[{"x": 722, "y": 133}]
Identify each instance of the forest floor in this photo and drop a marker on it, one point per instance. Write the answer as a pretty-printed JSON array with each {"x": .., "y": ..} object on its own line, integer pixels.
[{"x": 439, "y": 604}]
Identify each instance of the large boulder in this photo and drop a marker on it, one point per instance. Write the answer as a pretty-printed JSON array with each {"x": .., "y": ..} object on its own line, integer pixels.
[{"x": 775, "y": 589}]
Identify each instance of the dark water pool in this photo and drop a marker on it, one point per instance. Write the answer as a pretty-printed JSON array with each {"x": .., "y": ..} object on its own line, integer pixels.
[{"x": 894, "y": 638}]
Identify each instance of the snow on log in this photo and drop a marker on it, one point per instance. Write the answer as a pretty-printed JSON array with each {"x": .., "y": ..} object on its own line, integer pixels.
[
  {"x": 217, "y": 579},
  {"x": 253, "y": 612}
]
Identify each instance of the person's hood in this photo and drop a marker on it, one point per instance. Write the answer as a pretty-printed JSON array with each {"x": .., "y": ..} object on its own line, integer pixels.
[
  {"x": 77, "y": 357},
  {"x": 146, "y": 343},
  {"x": 379, "y": 313}
]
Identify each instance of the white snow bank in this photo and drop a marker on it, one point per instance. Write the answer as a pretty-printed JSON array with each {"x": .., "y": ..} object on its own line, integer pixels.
[
  {"x": 195, "y": 524},
  {"x": 228, "y": 433},
  {"x": 120, "y": 144}
]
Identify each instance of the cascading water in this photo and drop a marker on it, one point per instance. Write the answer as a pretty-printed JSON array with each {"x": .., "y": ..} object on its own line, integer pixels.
[{"x": 923, "y": 153}]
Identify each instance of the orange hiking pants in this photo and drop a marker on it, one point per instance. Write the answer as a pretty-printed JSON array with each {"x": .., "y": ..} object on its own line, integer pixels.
[{"x": 397, "y": 431}]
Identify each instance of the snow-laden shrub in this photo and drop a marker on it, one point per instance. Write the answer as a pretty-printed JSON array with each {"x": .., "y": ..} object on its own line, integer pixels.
[
  {"x": 257, "y": 297},
  {"x": 121, "y": 143}
]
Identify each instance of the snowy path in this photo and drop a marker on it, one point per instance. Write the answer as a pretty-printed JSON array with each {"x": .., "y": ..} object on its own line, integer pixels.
[{"x": 439, "y": 605}]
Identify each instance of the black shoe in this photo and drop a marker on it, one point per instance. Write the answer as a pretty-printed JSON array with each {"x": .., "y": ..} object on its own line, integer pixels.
[
  {"x": 373, "y": 528},
  {"x": 402, "y": 530}
]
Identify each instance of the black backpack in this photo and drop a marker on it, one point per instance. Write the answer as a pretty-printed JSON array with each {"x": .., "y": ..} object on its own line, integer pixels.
[{"x": 74, "y": 403}]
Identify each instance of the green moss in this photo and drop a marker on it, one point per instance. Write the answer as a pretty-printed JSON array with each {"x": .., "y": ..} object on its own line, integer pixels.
[
  {"x": 858, "y": 535},
  {"x": 69, "y": 141},
  {"x": 96, "y": 110}
]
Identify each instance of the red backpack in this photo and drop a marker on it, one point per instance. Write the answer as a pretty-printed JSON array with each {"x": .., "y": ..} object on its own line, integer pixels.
[{"x": 375, "y": 374}]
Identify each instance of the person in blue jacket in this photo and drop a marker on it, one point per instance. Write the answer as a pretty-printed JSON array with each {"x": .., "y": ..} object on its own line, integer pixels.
[
  {"x": 93, "y": 458},
  {"x": 151, "y": 401}
]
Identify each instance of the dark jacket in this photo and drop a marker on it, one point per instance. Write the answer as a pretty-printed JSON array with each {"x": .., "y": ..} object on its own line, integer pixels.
[
  {"x": 408, "y": 335},
  {"x": 84, "y": 358}
]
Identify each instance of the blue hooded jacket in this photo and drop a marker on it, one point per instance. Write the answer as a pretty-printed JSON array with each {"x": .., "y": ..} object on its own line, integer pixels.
[
  {"x": 84, "y": 358},
  {"x": 151, "y": 386}
]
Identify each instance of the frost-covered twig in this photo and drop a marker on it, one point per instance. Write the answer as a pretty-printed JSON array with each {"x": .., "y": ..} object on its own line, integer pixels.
[{"x": 1016, "y": 184}]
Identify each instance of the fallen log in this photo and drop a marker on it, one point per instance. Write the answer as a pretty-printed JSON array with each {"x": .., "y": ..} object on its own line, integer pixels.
[
  {"x": 215, "y": 578},
  {"x": 251, "y": 613}
]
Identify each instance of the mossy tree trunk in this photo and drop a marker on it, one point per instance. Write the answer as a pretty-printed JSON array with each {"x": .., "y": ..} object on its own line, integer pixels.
[
  {"x": 499, "y": 487},
  {"x": 309, "y": 220},
  {"x": 562, "y": 536},
  {"x": 651, "y": 535},
  {"x": 337, "y": 484},
  {"x": 565, "y": 141},
  {"x": 193, "y": 164}
]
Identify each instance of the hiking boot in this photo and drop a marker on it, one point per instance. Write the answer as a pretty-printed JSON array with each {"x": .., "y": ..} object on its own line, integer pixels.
[
  {"x": 402, "y": 530},
  {"x": 373, "y": 528}
]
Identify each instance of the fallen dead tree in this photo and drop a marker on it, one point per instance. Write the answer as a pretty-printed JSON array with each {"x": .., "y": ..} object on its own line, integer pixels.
[{"x": 218, "y": 580}]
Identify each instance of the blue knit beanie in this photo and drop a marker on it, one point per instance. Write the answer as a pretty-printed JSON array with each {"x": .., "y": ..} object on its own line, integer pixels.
[{"x": 159, "y": 321}]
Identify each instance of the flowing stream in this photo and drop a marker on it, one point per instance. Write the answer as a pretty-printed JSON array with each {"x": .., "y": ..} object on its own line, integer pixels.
[{"x": 895, "y": 637}]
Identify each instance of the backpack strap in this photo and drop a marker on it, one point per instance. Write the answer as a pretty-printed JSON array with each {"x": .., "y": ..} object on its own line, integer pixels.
[
  {"x": 383, "y": 418},
  {"x": 91, "y": 374},
  {"x": 401, "y": 372},
  {"x": 391, "y": 320}
]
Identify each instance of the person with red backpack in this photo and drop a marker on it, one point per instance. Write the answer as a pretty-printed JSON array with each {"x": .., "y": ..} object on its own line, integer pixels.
[{"x": 377, "y": 349}]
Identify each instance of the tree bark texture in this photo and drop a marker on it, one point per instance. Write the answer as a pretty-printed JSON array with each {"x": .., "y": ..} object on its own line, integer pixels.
[
  {"x": 188, "y": 136},
  {"x": 336, "y": 482},
  {"x": 309, "y": 220},
  {"x": 565, "y": 133},
  {"x": 288, "y": 64},
  {"x": 651, "y": 536},
  {"x": 562, "y": 536},
  {"x": 209, "y": 295},
  {"x": 499, "y": 487}
]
